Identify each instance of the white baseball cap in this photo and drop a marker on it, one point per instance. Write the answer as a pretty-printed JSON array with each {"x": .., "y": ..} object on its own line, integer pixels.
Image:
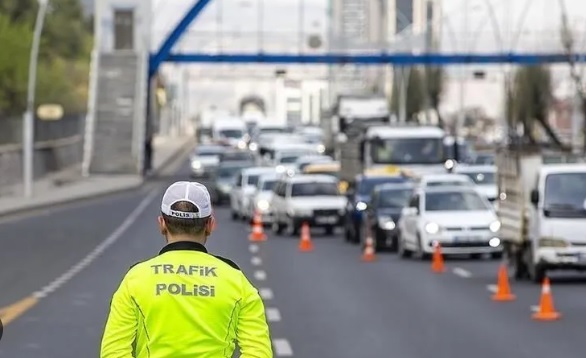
[{"x": 191, "y": 192}]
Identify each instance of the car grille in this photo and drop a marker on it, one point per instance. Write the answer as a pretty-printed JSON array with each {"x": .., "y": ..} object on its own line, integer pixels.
[
  {"x": 465, "y": 244},
  {"x": 328, "y": 212}
]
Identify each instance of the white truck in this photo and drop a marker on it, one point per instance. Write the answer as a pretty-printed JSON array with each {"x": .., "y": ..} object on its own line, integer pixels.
[{"x": 542, "y": 210}]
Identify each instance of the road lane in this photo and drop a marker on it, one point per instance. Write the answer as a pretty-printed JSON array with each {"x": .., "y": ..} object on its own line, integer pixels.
[{"x": 326, "y": 303}]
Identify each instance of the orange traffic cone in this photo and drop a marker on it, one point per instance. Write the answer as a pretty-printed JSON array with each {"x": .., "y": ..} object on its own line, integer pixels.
[
  {"x": 257, "y": 233},
  {"x": 369, "y": 253},
  {"x": 305, "y": 245},
  {"x": 437, "y": 263},
  {"x": 503, "y": 290},
  {"x": 546, "y": 311}
]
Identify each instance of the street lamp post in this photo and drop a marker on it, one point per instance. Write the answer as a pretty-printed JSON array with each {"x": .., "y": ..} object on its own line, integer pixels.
[{"x": 28, "y": 129}]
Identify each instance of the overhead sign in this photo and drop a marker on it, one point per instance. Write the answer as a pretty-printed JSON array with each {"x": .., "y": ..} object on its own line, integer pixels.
[{"x": 50, "y": 112}]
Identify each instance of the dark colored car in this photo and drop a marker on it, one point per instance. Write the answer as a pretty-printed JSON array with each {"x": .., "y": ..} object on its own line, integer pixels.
[
  {"x": 483, "y": 158},
  {"x": 223, "y": 179},
  {"x": 383, "y": 214},
  {"x": 358, "y": 199}
]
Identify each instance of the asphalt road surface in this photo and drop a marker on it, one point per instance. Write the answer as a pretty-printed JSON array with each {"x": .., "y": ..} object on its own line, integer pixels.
[{"x": 61, "y": 267}]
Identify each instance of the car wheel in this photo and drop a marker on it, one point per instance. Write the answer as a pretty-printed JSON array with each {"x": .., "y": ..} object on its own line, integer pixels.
[
  {"x": 422, "y": 255},
  {"x": 234, "y": 215},
  {"x": 401, "y": 249},
  {"x": 329, "y": 230},
  {"x": 277, "y": 227},
  {"x": 496, "y": 255}
]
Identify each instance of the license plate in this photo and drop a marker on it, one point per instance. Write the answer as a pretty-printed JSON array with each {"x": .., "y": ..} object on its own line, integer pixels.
[
  {"x": 466, "y": 238},
  {"x": 326, "y": 220}
]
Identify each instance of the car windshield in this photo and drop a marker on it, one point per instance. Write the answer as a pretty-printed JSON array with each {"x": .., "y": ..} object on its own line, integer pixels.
[
  {"x": 482, "y": 178},
  {"x": 366, "y": 185},
  {"x": 394, "y": 198},
  {"x": 314, "y": 189},
  {"x": 455, "y": 201},
  {"x": 484, "y": 159},
  {"x": 407, "y": 151},
  {"x": 231, "y": 133},
  {"x": 267, "y": 185},
  {"x": 236, "y": 156},
  {"x": 228, "y": 172},
  {"x": 434, "y": 184},
  {"x": 288, "y": 159},
  {"x": 565, "y": 195},
  {"x": 208, "y": 152},
  {"x": 253, "y": 180}
]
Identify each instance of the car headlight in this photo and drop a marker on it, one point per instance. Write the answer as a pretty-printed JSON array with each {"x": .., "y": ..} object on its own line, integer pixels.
[
  {"x": 386, "y": 223},
  {"x": 361, "y": 206},
  {"x": 263, "y": 205},
  {"x": 253, "y": 146},
  {"x": 552, "y": 242},
  {"x": 241, "y": 144},
  {"x": 225, "y": 188},
  {"x": 280, "y": 169},
  {"x": 195, "y": 165},
  {"x": 432, "y": 228},
  {"x": 495, "y": 226},
  {"x": 321, "y": 148}
]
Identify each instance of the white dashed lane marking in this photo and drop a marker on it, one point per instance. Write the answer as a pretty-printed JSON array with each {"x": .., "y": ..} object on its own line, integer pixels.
[
  {"x": 458, "y": 271},
  {"x": 534, "y": 308},
  {"x": 266, "y": 293},
  {"x": 256, "y": 261},
  {"x": 491, "y": 288},
  {"x": 86, "y": 261},
  {"x": 273, "y": 315},
  {"x": 260, "y": 275},
  {"x": 253, "y": 248},
  {"x": 282, "y": 347}
]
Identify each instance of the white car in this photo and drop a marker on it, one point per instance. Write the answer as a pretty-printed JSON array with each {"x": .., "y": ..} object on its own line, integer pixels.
[
  {"x": 261, "y": 199},
  {"x": 439, "y": 180},
  {"x": 313, "y": 199},
  {"x": 205, "y": 159},
  {"x": 484, "y": 176},
  {"x": 286, "y": 155},
  {"x": 244, "y": 188},
  {"x": 460, "y": 219},
  {"x": 306, "y": 160}
]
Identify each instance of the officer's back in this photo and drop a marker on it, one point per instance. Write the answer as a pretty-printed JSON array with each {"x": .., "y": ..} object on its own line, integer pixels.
[{"x": 185, "y": 302}]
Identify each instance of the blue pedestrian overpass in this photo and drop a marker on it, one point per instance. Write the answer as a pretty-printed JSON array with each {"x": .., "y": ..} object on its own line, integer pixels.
[{"x": 165, "y": 54}]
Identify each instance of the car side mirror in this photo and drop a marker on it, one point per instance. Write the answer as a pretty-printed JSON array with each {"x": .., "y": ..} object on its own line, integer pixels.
[{"x": 534, "y": 197}]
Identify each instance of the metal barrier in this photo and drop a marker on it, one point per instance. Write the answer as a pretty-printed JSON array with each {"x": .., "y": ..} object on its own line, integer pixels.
[{"x": 58, "y": 146}]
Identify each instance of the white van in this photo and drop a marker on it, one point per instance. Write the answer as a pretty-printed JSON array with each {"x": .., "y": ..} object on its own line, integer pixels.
[{"x": 230, "y": 131}]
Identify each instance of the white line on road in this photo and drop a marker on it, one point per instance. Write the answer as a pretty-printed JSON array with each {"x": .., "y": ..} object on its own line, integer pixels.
[
  {"x": 256, "y": 261},
  {"x": 253, "y": 248},
  {"x": 109, "y": 241},
  {"x": 534, "y": 308},
  {"x": 260, "y": 275},
  {"x": 282, "y": 347},
  {"x": 273, "y": 315},
  {"x": 491, "y": 288},
  {"x": 266, "y": 293},
  {"x": 458, "y": 271}
]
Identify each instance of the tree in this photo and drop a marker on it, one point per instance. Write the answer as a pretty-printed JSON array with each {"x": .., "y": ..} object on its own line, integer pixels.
[
  {"x": 415, "y": 93},
  {"x": 434, "y": 81},
  {"x": 529, "y": 102},
  {"x": 568, "y": 44},
  {"x": 16, "y": 41}
]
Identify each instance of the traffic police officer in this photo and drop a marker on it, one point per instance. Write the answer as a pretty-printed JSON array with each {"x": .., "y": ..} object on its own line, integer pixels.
[{"x": 186, "y": 302}]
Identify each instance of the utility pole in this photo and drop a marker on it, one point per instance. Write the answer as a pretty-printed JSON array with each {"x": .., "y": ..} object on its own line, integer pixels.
[{"x": 28, "y": 130}]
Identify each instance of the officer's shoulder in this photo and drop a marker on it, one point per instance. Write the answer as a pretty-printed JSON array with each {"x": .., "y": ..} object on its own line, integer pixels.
[
  {"x": 137, "y": 265},
  {"x": 227, "y": 261}
]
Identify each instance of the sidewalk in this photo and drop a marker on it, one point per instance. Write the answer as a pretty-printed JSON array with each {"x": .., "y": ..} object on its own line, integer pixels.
[{"x": 69, "y": 185}]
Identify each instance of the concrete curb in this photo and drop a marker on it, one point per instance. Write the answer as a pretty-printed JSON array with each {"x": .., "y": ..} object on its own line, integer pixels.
[{"x": 31, "y": 207}]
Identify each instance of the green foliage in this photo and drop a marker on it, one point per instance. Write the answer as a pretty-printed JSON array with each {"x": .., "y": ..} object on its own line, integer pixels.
[
  {"x": 415, "y": 93},
  {"x": 16, "y": 41},
  {"x": 63, "y": 60},
  {"x": 434, "y": 81}
]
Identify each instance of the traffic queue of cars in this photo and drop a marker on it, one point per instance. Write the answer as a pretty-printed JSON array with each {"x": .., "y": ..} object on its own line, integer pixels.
[{"x": 288, "y": 181}]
